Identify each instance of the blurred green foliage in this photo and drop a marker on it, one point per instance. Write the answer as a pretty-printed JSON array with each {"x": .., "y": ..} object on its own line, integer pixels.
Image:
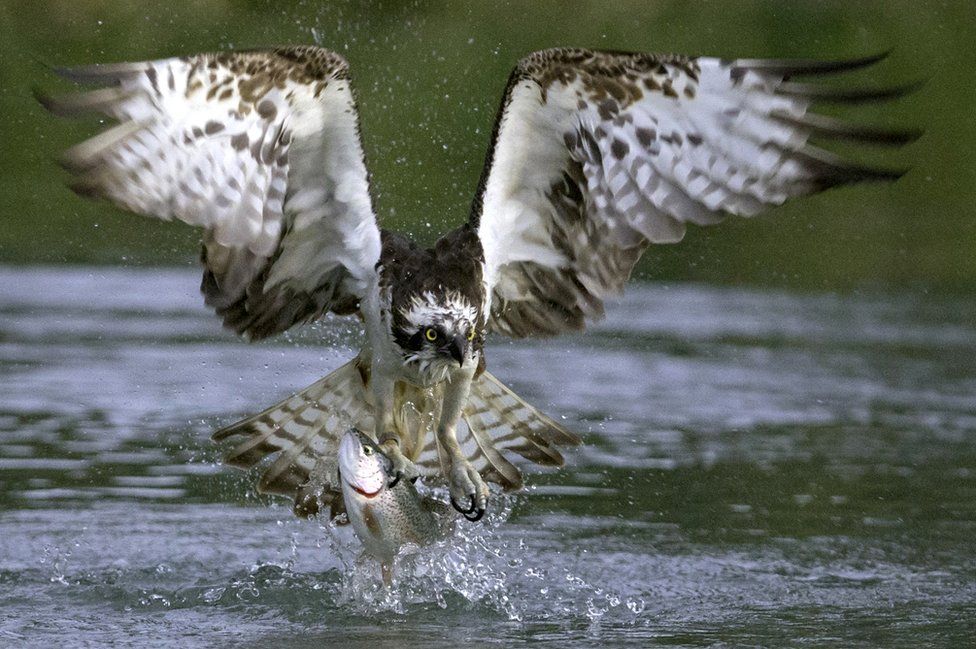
[{"x": 429, "y": 76}]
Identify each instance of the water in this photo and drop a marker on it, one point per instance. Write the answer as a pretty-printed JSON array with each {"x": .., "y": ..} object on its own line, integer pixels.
[{"x": 760, "y": 469}]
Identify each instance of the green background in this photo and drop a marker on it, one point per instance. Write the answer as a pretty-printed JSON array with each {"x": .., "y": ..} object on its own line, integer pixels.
[{"x": 429, "y": 77}]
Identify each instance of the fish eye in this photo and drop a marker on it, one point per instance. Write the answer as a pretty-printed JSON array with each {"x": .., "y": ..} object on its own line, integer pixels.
[
  {"x": 368, "y": 450},
  {"x": 430, "y": 334},
  {"x": 471, "y": 334}
]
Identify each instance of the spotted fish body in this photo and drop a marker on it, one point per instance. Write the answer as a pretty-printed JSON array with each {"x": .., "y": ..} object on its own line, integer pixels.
[{"x": 384, "y": 518}]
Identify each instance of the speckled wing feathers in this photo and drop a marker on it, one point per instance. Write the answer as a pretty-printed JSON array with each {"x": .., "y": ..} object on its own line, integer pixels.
[
  {"x": 260, "y": 149},
  {"x": 598, "y": 154}
]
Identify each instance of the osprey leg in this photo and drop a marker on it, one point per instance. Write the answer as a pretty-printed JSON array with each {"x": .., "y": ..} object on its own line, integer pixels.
[
  {"x": 469, "y": 492},
  {"x": 402, "y": 467},
  {"x": 386, "y": 435}
]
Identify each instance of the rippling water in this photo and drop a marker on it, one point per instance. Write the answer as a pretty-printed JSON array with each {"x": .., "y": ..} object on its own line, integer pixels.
[{"x": 760, "y": 468}]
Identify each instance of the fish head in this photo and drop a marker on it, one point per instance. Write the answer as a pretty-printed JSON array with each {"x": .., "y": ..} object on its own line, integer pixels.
[{"x": 362, "y": 465}]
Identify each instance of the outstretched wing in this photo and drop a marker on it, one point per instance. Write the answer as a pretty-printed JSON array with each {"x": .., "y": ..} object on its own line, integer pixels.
[
  {"x": 261, "y": 149},
  {"x": 597, "y": 154}
]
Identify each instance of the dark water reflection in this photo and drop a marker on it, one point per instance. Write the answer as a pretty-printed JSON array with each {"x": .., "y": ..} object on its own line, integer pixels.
[{"x": 760, "y": 469}]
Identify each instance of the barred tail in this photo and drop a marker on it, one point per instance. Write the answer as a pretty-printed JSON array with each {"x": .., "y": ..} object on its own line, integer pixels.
[
  {"x": 301, "y": 436},
  {"x": 497, "y": 421}
]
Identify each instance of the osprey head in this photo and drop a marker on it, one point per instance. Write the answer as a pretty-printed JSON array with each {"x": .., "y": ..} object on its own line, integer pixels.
[{"x": 438, "y": 330}]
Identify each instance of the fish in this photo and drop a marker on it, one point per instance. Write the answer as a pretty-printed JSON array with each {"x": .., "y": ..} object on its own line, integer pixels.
[{"x": 385, "y": 517}]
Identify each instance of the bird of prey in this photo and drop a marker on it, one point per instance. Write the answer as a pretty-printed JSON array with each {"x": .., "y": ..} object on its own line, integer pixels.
[{"x": 594, "y": 155}]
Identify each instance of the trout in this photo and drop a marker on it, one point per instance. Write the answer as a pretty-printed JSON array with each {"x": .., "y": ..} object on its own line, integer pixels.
[{"x": 384, "y": 518}]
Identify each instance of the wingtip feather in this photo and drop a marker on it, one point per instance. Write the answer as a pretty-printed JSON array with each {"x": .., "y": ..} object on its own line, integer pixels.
[
  {"x": 44, "y": 99},
  {"x": 800, "y": 67},
  {"x": 103, "y": 100},
  {"x": 817, "y": 92},
  {"x": 829, "y": 127},
  {"x": 834, "y": 171},
  {"x": 103, "y": 73}
]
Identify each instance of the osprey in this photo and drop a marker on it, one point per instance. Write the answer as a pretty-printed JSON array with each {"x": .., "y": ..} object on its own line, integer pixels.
[{"x": 594, "y": 155}]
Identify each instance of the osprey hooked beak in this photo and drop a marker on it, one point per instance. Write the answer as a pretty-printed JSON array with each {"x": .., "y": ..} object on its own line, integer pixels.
[{"x": 457, "y": 348}]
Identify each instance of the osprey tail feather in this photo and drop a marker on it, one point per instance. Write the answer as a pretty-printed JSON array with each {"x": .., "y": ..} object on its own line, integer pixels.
[
  {"x": 301, "y": 435},
  {"x": 500, "y": 420}
]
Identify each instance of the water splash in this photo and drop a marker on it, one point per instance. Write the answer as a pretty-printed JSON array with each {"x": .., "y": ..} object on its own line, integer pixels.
[
  {"x": 57, "y": 560},
  {"x": 474, "y": 565}
]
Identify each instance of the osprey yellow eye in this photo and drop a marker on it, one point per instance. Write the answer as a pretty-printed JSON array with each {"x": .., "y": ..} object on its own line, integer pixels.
[
  {"x": 431, "y": 334},
  {"x": 368, "y": 450},
  {"x": 471, "y": 334}
]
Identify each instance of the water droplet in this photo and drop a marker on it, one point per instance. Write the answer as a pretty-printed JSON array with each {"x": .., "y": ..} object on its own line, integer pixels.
[{"x": 213, "y": 595}]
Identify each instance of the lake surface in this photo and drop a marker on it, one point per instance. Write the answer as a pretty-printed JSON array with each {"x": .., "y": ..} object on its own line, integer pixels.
[{"x": 760, "y": 469}]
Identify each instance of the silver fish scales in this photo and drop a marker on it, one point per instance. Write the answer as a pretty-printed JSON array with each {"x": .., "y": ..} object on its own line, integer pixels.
[{"x": 384, "y": 517}]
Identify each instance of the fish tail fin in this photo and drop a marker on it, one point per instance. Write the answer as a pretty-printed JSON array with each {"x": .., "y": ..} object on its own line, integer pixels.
[{"x": 299, "y": 437}]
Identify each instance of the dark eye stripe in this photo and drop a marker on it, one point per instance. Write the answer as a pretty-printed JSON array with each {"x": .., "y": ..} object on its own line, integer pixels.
[{"x": 409, "y": 341}]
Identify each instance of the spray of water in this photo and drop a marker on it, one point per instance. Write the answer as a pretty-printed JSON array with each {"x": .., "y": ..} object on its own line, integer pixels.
[{"x": 483, "y": 565}]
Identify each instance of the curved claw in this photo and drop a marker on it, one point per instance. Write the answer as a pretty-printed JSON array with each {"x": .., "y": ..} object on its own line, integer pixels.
[
  {"x": 393, "y": 483},
  {"x": 464, "y": 512},
  {"x": 473, "y": 514}
]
